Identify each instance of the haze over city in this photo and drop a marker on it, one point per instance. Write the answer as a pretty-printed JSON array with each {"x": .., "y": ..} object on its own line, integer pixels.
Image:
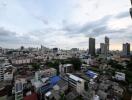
[
  {"x": 64, "y": 23},
  {"x": 65, "y": 50}
]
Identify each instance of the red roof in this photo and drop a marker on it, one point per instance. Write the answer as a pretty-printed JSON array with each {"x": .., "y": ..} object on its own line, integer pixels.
[{"x": 31, "y": 97}]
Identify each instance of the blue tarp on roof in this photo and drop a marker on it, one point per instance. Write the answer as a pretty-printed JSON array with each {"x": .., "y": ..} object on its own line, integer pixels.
[
  {"x": 54, "y": 80},
  {"x": 91, "y": 74}
]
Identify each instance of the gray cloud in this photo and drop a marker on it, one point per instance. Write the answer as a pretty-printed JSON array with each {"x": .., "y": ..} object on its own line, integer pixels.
[
  {"x": 93, "y": 28},
  {"x": 48, "y": 36},
  {"x": 123, "y": 15},
  {"x": 7, "y": 33},
  {"x": 10, "y": 37},
  {"x": 96, "y": 28}
]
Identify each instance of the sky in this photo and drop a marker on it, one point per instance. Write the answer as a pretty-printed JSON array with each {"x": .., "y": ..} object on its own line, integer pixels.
[{"x": 64, "y": 23}]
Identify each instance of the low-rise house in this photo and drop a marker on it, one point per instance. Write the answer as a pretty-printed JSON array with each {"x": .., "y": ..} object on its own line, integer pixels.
[
  {"x": 118, "y": 90},
  {"x": 45, "y": 73},
  {"x": 56, "y": 92},
  {"x": 91, "y": 74},
  {"x": 102, "y": 95},
  {"x": 103, "y": 86},
  {"x": 8, "y": 76},
  {"x": 30, "y": 96},
  {"x": 120, "y": 76},
  {"x": 72, "y": 95}
]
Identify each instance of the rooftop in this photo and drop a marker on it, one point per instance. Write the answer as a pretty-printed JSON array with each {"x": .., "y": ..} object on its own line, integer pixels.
[{"x": 74, "y": 77}]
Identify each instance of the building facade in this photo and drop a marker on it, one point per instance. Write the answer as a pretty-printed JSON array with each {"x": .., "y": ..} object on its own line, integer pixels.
[
  {"x": 66, "y": 68},
  {"x": 76, "y": 82},
  {"x": 104, "y": 47},
  {"x": 18, "y": 90},
  {"x": 131, "y": 10},
  {"x": 126, "y": 49},
  {"x": 1, "y": 73},
  {"x": 92, "y": 46},
  {"x": 107, "y": 44}
]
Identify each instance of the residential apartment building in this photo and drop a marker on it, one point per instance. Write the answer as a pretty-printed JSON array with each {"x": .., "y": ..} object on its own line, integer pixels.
[
  {"x": 18, "y": 90},
  {"x": 126, "y": 49},
  {"x": 45, "y": 73},
  {"x": 19, "y": 61},
  {"x": 1, "y": 72},
  {"x": 131, "y": 9},
  {"x": 92, "y": 46},
  {"x": 66, "y": 68},
  {"x": 76, "y": 82}
]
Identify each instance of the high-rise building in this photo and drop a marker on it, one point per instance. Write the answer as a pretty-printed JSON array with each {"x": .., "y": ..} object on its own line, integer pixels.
[
  {"x": 107, "y": 44},
  {"x": 92, "y": 46},
  {"x": 131, "y": 9},
  {"x": 131, "y": 12},
  {"x": 1, "y": 72},
  {"x": 104, "y": 47},
  {"x": 126, "y": 49},
  {"x": 55, "y": 50}
]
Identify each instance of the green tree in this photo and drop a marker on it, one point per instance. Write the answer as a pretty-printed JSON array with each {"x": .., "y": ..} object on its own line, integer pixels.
[
  {"x": 76, "y": 63},
  {"x": 36, "y": 66},
  {"x": 62, "y": 97}
]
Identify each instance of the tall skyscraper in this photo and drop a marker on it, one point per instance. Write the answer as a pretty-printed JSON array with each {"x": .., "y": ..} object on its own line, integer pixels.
[
  {"x": 107, "y": 44},
  {"x": 131, "y": 9},
  {"x": 92, "y": 46},
  {"x": 126, "y": 49},
  {"x": 104, "y": 47}
]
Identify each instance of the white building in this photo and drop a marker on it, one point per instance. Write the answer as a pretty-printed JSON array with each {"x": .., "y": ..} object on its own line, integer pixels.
[
  {"x": 21, "y": 61},
  {"x": 45, "y": 73},
  {"x": 120, "y": 76},
  {"x": 5, "y": 67},
  {"x": 66, "y": 68},
  {"x": 76, "y": 82},
  {"x": 19, "y": 89},
  {"x": 8, "y": 76}
]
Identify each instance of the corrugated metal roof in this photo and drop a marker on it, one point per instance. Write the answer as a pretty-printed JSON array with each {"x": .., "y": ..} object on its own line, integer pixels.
[{"x": 91, "y": 74}]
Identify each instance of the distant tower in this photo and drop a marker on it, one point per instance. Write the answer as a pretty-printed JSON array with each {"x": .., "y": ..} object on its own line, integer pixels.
[
  {"x": 126, "y": 49},
  {"x": 22, "y": 48},
  {"x": 92, "y": 46},
  {"x": 55, "y": 50},
  {"x": 104, "y": 47},
  {"x": 131, "y": 10},
  {"x": 107, "y": 44}
]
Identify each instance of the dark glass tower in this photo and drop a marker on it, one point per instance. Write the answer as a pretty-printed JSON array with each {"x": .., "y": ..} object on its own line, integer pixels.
[
  {"x": 131, "y": 10},
  {"x": 92, "y": 46}
]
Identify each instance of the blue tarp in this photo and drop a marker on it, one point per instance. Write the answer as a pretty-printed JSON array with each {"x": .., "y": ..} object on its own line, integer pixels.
[
  {"x": 54, "y": 80},
  {"x": 91, "y": 74}
]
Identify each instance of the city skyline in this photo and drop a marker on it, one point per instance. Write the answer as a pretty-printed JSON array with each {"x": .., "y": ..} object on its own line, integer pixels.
[{"x": 64, "y": 24}]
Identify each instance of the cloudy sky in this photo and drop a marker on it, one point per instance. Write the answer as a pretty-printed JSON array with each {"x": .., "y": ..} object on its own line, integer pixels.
[{"x": 64, "y": 23}]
